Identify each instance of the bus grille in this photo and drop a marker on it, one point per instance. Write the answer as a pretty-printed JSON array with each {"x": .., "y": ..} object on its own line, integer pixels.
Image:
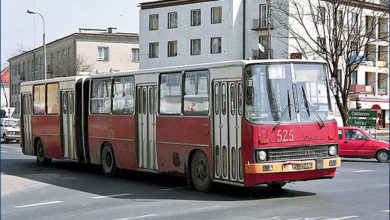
[{"x": 297, "y": 153}]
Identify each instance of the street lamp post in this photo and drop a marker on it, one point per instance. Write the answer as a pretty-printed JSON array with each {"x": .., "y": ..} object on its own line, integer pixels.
[
  {"x": 44, "y": 45},
  {"x": 269, "y": 29}
]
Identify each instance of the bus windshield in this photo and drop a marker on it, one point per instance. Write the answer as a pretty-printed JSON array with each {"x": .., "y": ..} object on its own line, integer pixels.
[{"x": 286, "y": 92}]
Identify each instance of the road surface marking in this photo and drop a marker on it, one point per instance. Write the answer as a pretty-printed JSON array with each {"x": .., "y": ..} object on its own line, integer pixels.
[
  {"x": 3, "y": 151},
  {"x": 342, "y": 218},
  {"x": 138, "y": 217},
  {"x": 362, "y": 171},
  {"x": 169, "y": 189},
  {"x": 114, "y": 195},
  {"x": 385, "y": 211},
  {"x": 39, "y": 204},
  {"x": 16, "y": 148}
]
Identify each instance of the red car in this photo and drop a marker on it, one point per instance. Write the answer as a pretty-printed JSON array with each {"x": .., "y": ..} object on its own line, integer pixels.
[{"x": 355, "y": 142}]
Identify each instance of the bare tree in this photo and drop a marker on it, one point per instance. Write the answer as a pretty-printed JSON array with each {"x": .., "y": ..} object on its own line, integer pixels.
[
  {"x": 337, "y": 31},
  {"x": 71, "y": 66}
]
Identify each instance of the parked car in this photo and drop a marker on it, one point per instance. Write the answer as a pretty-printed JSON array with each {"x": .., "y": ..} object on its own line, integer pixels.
[
  {"x": 10, "y": 129},
  {"x": 355, "y": 142}
]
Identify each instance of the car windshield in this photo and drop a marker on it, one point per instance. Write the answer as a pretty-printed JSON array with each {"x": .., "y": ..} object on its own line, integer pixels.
[
  {"x": 11, "y": 123},
  {"x": 275, "y": 92},
  {"x": 369, "y": 135}
]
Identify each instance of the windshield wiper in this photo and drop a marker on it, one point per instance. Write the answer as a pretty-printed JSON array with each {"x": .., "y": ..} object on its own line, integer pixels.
[
  {"x": 288, "y": 107},
  {"x": 309, "y": 107}
]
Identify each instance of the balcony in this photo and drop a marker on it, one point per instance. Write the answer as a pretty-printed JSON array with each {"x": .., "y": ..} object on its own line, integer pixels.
[
  {"x": 258, "y": 55},
  {"x": 261, "y": 24},
  {"x": 361, "y": 89}
]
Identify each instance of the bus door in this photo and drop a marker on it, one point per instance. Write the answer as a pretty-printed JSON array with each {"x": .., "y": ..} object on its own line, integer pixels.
[
  {"x": 146, "y": 116},
  {"x": 228, "y": 101},
  {"x": 26, "y": 117},
  {"x": 67, "y": 114}
]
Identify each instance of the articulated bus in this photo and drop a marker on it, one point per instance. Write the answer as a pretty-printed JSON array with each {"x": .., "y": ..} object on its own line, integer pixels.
[{"x": 238, "y": 122}]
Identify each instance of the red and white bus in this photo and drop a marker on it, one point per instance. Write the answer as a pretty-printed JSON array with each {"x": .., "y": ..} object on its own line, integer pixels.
[{"x": 237, "y": 122}]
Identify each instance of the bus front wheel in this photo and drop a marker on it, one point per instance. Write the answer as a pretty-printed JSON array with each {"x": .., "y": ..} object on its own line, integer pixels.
[
  {"x": 200, "y": 172},
  {"x": 108, "y": 160},
  {"x": 41, "y": 156}
]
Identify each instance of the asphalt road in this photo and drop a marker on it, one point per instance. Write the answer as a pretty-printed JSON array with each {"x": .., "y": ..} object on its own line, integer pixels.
[{"x": 67, "y": 190}]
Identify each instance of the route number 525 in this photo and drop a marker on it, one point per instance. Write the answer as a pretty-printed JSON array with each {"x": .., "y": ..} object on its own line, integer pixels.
[{"x": 285, "y": 135}]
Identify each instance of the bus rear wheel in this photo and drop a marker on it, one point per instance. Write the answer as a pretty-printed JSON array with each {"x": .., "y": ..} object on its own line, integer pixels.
[
  {"x": 276, "y": 185},
  {"x": 200, "y": 172},
  {"x": 41, "y": 156},
  {"x": 108, "y": 160}
]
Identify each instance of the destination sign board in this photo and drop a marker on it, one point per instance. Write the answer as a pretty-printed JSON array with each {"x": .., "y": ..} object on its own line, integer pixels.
[
  {"x": 362, "y": 113},
  {"x": 361, "y": 122}
]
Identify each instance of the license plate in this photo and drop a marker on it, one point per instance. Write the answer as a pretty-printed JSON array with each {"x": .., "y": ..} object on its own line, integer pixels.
[{"x": 301, "y": 166}]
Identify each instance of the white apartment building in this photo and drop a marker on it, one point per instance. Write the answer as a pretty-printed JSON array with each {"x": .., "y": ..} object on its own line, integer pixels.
[
  {"x": 92, "y": 50},
  {"x": 182, "y": 32}
]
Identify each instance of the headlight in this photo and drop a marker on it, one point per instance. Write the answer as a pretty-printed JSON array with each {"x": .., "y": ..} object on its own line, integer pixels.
[
  {"x": 261, "y": 155},
  {"x": 332, "y": 150}
]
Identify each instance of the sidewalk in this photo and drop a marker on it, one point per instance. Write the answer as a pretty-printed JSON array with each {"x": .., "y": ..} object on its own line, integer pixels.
[{"x": 379, "y": 131}]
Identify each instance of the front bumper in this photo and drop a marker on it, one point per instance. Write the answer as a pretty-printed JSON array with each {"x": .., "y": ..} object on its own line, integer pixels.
[{"x": 293, "y": 166}]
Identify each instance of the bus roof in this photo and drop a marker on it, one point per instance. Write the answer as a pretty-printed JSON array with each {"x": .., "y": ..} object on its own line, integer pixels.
[{"x": 173, "y": 69}]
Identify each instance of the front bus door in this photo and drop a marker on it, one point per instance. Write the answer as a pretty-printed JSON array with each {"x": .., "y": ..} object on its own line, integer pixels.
[
  {"x": 67, "y": 114},
  {"x": 228, "y": 101},
  {"x": 26, "y": 120},
  {"x": 146, "y": 116}
]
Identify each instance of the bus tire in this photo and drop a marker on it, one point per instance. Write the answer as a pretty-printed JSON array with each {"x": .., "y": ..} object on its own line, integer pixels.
[
  {"x": 200, "y": 172},
  {"x": 276, "y": 185},
  {"x": 5, "y": 139},
  {"x": 382, "y": 156},
  {"x": 108, "y": 160},
  {"x": 41, "y": 156}
]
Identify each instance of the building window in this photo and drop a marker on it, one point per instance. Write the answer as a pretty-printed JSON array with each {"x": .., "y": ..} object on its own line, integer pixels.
[
  {"x": 40, "y": 63},
  {"x": 216, "y": 15},
  {"x": 195, "y": 17},
  {"x": 69, "y": 50},
  {"x": 172, "y": 20},
  {"x": 339, "y": 75},
  {"x": 215, "y": 45},
  {"x": 263, "y": 15},
  {"x": 24, "y": 68},
  {"x": 321, "y": 15},
  {"x": 65, "y": 56},
  {"x": 354, "y": 78},
  {"x": 135, "y": 55},
  {"x": 18, "y": 69},
  {"x": 153, "y": 22},
  {"x": 103, "y": 53},
  {"x": 153, "y": 50},
  {"x": 195, "y": 46},
  {"x": 321, "y": 45},
  {"x": 172, "y": 48},
  {"x": 58, "y": 57},
  {"x": 263, "y": 40},
  {"x": 354, "y": 22}
]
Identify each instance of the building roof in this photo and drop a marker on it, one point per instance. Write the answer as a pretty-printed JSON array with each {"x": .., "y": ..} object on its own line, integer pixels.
[
  {"x": 5, "y": 75},
  {"x": 168, "y": 3},
  {"x": 101, "y": 34}
]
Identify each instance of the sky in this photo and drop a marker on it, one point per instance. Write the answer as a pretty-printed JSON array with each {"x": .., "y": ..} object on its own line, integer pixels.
[{"x": 22, "y": 31}]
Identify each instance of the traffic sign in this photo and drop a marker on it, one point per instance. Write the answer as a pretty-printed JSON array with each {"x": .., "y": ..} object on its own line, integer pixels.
[
  {"x": 362, "y": 113},
  {"x": 361, "y": 122}
]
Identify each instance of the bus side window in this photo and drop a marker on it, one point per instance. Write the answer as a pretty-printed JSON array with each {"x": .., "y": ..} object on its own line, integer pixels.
[
  {"x": 232, "y": 99},
  {"x": 196, "y": 96},
  {"x": 216, "y": 99},
  {"x": 240, "y": 98},
  {"x": 223, "y": 98},
  {"x": 101, "y": 96},
  {"x": 123, "y": 95},
  {"x": 39, "y": 100},
  {"x": 171, "y": 93}
]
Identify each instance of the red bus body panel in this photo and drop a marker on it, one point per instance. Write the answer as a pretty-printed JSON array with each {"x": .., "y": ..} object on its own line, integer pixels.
[
  {"x": 117, "y": 130},
  {"x": 48, "y": 129}
]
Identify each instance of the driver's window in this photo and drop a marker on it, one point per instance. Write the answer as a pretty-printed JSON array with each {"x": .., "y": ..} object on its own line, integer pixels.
[{"x": 354, "y": 135}]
